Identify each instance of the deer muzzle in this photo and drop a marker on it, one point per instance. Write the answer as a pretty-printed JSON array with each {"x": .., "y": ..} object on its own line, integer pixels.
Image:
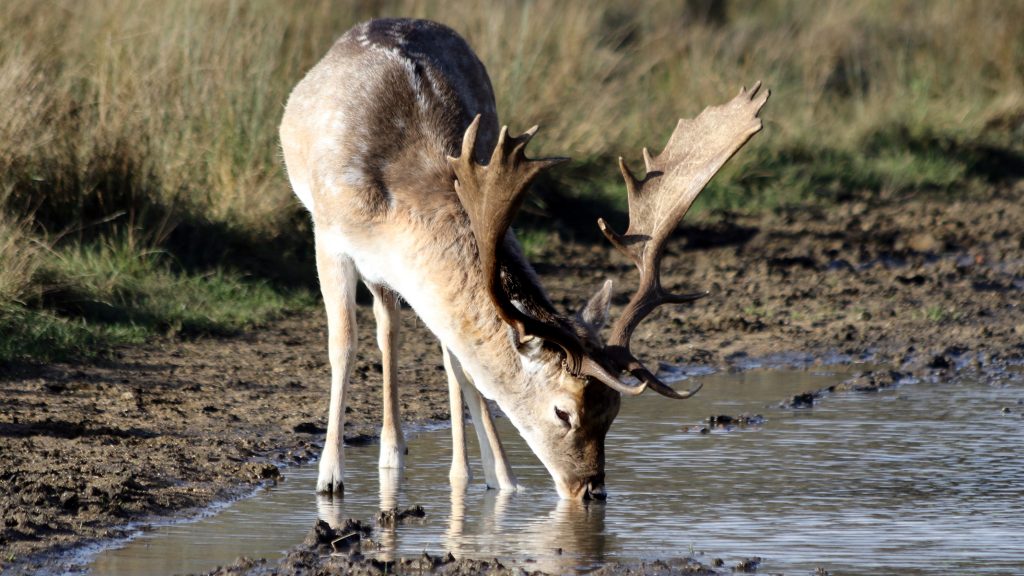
[{"x": 594, "y": 488}]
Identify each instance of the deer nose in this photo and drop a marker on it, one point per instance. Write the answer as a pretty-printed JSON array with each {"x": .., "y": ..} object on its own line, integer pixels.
[{"x": 595, "y": 489}]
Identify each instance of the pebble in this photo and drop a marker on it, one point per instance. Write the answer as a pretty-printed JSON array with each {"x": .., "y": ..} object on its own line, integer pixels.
[{"x": 923, "y": 242}]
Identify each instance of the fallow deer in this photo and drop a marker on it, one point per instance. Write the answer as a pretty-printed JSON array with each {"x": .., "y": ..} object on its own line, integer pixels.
[{"x": 392, "y": 143}]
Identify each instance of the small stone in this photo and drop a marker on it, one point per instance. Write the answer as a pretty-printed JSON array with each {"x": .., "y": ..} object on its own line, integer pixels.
[
  {"x": 720, "y": 420},
  {"x": 805, "y": 400},
  {"x": 923, "y": 242},
  {"x": 69, "y": 500},
  {"x": 747, "y": 565},
  {"x": 394, "y": 516}
]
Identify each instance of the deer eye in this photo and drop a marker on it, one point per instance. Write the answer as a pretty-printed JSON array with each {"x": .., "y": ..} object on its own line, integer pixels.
[{"x": 563, "y": 416}]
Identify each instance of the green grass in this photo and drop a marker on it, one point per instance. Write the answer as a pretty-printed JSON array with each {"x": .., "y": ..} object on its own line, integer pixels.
[
  {"x": 88, "y": 299},
  {"x": 142, "y": 192}
]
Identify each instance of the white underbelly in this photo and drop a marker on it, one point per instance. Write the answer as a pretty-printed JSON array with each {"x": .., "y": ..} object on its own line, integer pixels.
[{"x": 440, "y": 305}]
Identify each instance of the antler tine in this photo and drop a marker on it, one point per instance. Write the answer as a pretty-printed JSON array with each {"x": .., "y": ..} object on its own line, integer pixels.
[
  {"x": 492, "y": 195},
  {"x": 469, "y": 139},
  {"x": 695, "y": 152}
]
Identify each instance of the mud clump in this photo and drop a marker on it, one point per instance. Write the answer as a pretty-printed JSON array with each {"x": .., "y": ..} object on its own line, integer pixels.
[
  {"x": 870, "y": 381},
  {"x": 747, "y": 565},
  {"x": 309, "y": 428},
  {"x": 327, "y": 550},
  {"x": 862, "y": 382},
  {"x": 672, "y": 567},
  {"x": 802, "y": 400},
  {"x": 729, "y": 422},
  {"x": 258, "y": 471},
  {"x": 394, "y": 517},
  {"x": 344, "y": 539}
]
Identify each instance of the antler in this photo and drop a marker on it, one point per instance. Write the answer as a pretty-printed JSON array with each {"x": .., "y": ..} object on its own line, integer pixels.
[
  {"x": 491, "y": 195},
  {"x": 695, "y": 152}
]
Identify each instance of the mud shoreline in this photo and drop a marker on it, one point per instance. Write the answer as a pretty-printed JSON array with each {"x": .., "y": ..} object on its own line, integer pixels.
[{"x": 168, "y": 428}]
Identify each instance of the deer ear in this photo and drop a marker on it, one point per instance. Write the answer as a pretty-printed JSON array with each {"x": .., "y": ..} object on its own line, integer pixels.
[{"x": 595, "y": 313}]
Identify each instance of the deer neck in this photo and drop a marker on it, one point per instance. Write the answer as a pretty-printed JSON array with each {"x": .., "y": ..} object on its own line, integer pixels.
[{"x": 450, "y": 296}]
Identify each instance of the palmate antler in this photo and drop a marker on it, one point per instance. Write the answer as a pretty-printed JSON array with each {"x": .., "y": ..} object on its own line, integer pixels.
[
  {"x": 695, "y": 152},
  {"x": 491, "y": 195}
]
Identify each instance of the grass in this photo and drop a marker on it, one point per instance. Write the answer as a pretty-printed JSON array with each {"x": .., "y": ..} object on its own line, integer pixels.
[
  {"x": 140, "y": 150},
  {"x": 87, "y": 299}
]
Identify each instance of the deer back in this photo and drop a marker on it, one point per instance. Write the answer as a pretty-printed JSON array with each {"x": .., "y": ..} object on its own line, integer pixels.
[{"x": 369, "y": 127}]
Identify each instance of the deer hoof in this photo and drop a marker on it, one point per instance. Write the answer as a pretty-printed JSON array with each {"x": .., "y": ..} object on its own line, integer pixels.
[{"x": 329, "y": 480}]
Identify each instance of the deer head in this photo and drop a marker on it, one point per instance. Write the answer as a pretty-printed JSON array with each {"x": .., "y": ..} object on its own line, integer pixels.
[{"x": 577, "y": 377}]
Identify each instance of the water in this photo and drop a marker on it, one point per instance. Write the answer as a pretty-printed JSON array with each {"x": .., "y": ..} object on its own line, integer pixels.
[{"x": 922, "y": 479}]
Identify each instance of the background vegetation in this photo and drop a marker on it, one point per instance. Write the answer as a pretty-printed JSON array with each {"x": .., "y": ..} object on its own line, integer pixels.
[{"x": 141, "y": 189}]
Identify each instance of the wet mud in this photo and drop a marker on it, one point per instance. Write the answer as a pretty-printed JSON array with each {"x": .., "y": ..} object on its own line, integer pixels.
[
  {"x": 914, "y": 288},
  {"x": 341, "y": 551}
]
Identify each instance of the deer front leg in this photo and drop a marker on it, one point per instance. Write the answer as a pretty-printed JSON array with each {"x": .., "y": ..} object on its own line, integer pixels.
[
  {"x": 386, "y": 313},
  {"x": 338, "y": 285},
  {"x": 497, "y": 470},
  {"x": 460, "y": 474}
]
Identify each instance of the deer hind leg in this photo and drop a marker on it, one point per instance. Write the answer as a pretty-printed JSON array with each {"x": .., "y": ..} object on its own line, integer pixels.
[
  {"x": 338, "y": 278},
  {"x": 497, "y": 470},
  {"x": 386, "y": 311}
]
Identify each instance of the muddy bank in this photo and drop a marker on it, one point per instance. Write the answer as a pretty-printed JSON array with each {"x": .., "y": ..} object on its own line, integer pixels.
[
  {"x": 912, "y": 285},
  {"x": 343, "y": 551},
  {"x": 178, "y": 425},
  {"x": 915, "y": 287}
]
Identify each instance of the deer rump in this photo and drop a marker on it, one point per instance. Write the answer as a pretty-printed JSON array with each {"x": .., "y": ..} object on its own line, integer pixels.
[{"x": 392, "y": 143}]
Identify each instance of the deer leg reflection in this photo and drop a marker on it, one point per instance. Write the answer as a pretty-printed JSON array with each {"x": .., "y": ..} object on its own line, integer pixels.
[
  {"x": 495, "y": 508},
  {"x": 390, "y": 484},
  {"x": 329, "y": 509},
  {"x": 456, "y": 521}
]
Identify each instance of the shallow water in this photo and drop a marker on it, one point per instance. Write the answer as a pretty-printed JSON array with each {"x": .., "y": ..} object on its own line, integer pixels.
[{"x": 924, "y": 479}]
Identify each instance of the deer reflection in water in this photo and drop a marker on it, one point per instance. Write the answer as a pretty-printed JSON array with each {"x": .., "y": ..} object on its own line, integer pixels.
[{"x": 570, "y": 536}]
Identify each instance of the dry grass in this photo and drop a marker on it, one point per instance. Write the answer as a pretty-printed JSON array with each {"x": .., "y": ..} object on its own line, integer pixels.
[
  {"x": 129, "y": 105},
  {"x": 19, "y": 259},
  {"x": 156, "y": 120}
]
